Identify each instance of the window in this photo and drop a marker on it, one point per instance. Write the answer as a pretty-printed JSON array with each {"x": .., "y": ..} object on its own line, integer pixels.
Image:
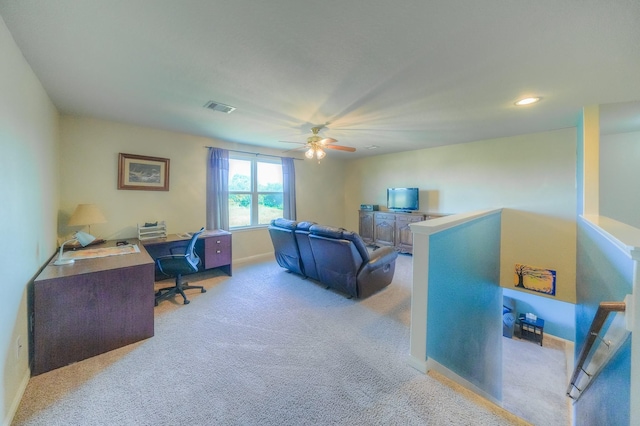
[{"x": 255, "y": 191}]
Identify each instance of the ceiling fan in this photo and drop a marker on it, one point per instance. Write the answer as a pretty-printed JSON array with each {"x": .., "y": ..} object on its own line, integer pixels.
[{"x": 316, "y": 145}]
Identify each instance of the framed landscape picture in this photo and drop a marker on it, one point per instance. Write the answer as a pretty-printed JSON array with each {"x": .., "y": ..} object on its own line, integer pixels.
[
  {"x": 143, "y": 173},
  {"x": 535, "y": 279}
]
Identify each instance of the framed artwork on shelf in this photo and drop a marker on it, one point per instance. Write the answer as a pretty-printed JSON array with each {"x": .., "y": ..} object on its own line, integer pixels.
[{"x": 143, "y": 173}]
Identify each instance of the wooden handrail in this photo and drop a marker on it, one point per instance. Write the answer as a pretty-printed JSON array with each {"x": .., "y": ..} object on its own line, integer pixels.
[{"x": 604, "y": 309}]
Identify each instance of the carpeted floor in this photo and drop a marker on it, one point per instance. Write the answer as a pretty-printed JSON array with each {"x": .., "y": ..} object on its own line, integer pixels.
[
  {"x": 263, "y": 347},
  {"x": 535, "y": 380}
]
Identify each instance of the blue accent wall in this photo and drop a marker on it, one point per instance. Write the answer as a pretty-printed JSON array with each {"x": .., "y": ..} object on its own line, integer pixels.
[
  {"x": 606, "y": 401},
  {"x": 604, "y": 273},
  {"x": 464, "y": 330},
  {"x": 559, "y": 317}
]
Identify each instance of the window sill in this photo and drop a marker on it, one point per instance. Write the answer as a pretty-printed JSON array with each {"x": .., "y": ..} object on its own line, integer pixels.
[{"x": 248, "y": 228}]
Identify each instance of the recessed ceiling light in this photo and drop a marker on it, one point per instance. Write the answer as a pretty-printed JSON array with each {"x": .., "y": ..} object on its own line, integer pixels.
[
  {"x": 527, "y": 101},
  {"x": 371, "y": 147}
]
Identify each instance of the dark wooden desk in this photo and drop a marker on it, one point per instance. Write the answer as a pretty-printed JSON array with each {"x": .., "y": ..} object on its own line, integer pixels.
[
  {"x": 90, "y": 307},
  {"x": 213, "y": 247}
]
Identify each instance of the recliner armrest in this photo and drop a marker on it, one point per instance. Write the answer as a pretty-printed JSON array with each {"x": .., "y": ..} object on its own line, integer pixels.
[{"x": 380, "y": 257}]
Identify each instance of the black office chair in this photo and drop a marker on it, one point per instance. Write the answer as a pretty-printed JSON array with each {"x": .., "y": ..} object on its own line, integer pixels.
[{"x": 176, "y": 265}]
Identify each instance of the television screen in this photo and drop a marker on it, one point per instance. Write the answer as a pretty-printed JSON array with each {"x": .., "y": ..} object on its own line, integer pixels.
[{"x": 402, "y": 199}]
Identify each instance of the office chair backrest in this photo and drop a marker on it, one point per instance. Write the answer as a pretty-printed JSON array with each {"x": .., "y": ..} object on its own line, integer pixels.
[{"x": 190, "y": 252}]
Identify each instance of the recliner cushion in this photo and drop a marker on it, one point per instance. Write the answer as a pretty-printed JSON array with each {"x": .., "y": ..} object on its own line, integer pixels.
[
  {"x": 337, "y": 262},
  {"x": 304, "y": 226},
  {"x": 304, "y": 246},
  {"x": 284, "y": 223},
  {"x": 326, "y": 231},
  {"x": 342, "y": 234},
  {"x": 357, "y": 241},
  {"x": 285, "y": 246}
]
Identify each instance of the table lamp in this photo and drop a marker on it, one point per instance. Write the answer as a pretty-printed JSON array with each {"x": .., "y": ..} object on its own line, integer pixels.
[
  {"x": 81, "y": 237},
  {"x": 86, "y": 214}
]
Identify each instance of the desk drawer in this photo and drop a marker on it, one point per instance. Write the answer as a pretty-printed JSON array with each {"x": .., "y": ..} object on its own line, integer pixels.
[{"x": 217, "y": 251}]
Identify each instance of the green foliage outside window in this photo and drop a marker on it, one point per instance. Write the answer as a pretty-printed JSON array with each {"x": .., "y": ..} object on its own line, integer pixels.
[{"x": 268, "y": 196}]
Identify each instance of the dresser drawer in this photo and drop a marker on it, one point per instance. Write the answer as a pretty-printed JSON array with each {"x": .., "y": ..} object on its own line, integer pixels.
[
  {"x": 379, "y": 217},
  {"x": 410, "y": 218}
]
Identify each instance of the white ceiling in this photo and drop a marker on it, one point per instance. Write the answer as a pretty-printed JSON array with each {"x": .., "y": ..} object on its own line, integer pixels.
[{"x": 401, "y": 75}]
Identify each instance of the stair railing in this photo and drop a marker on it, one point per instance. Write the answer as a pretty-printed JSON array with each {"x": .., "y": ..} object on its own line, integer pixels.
[{"x": 582, "y": 377}]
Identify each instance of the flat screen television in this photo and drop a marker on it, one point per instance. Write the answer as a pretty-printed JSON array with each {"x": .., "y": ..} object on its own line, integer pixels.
[{"x": 402, "y": 199}]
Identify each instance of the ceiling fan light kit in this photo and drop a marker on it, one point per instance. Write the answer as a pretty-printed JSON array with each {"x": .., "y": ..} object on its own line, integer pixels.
[
  {"x": 317, "y": 152},
  {"x": 316, "y": 145}
]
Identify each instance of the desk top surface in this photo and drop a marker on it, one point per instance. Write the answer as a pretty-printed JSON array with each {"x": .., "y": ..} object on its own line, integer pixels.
[
  {"x": 86, "y": 266},
  {"x": 539, "y": 322},
  {"x": 184, "y": 237}
]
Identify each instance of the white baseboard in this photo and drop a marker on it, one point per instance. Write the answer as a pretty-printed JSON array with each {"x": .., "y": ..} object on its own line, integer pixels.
[
  {"x": 430, "y": 364},
  {"x": 418, "y": 364},
  {"x": 439, "y": 368},
  {"x": 17, "y": 398}
]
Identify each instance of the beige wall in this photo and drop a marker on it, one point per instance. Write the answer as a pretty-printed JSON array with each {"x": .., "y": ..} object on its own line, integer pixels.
[
  {"x": 531, "y": 176},
  {"x": 89, "y": 161},
  {"x": 619, "y": 172},
  {"x": 29, "y": 194},
  {"x": 46, "y": 170}
]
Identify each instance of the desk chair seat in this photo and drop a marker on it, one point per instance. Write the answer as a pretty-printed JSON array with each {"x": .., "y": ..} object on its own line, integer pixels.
[{"x": 176, "y": 265}]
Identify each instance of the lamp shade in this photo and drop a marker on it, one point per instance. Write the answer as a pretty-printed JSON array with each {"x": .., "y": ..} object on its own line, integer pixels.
[{"x": 86, "y": 214}]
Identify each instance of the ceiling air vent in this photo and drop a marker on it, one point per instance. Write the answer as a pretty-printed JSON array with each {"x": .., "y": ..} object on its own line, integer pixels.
[{"x": 217, "y": 106}]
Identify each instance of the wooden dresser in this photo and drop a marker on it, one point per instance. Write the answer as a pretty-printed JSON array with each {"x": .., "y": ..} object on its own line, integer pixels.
[{"x": 385, "y": 228}]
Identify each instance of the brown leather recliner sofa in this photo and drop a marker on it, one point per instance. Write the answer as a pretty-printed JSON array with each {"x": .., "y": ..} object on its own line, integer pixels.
[{"x": 335, "y": 257}]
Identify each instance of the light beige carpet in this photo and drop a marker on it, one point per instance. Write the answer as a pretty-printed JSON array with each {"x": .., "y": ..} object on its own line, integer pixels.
[
  {"x": 535, "y": 380},
  {"x": 263, "y": 347}
]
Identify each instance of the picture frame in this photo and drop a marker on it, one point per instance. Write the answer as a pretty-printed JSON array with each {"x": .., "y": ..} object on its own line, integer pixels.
[
  {"x": 532, "y": 278},
  {"x": 141, "y": 172}
]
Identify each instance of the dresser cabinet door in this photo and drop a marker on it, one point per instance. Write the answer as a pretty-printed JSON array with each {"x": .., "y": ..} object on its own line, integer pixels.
[
  {"x": 366, "y": 227},
  {"x": 404, "y": 236},
  {"x": 384, "y": 229}
]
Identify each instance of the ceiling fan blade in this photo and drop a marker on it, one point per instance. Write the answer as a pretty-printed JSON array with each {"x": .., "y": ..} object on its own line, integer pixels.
[
  {"x": 341, "y": 148},
  {"x": 295, "y": 149},
  {"x": 328, "y": 141},
  {"x": 300, "y": 143}
]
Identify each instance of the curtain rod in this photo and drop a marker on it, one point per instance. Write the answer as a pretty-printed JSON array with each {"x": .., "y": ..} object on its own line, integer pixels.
[{"x": 254, "y": 153}]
